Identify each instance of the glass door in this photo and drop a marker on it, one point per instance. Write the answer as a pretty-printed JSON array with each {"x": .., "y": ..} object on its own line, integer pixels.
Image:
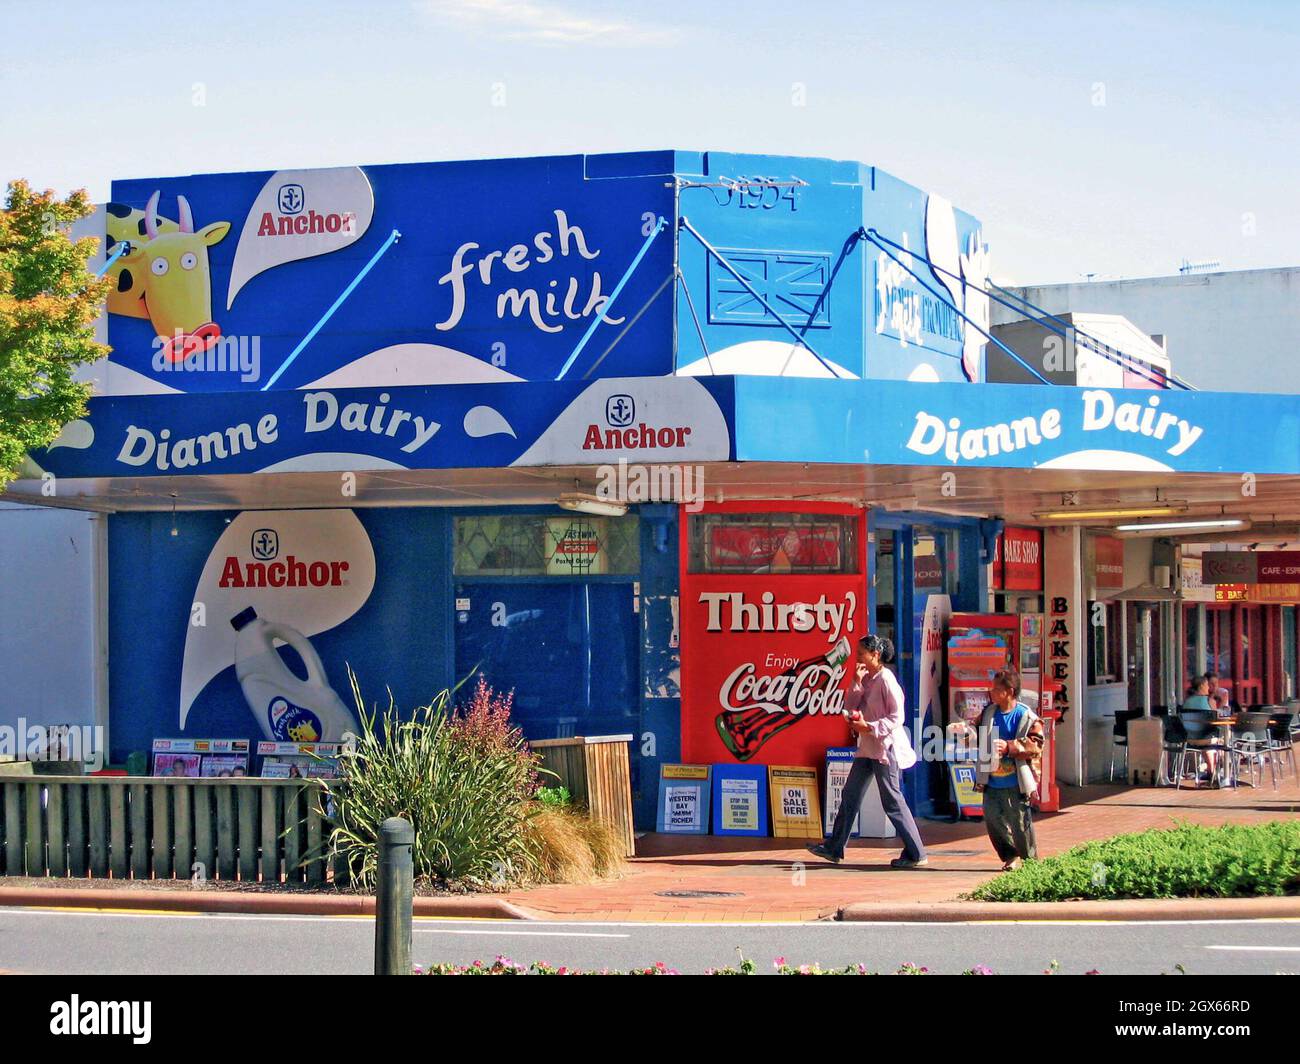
[
  {"x": 1250, "y": 660},
  {"x": 1288, "y": 652},
  {"x": 886, "y": 584}
]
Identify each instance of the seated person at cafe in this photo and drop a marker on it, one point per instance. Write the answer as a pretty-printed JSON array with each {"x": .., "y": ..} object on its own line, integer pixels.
[
  {"x": 1220, "y": 696},
  {"x": 1198, "y": 694},
  {"x": 1198, "y": 698}
]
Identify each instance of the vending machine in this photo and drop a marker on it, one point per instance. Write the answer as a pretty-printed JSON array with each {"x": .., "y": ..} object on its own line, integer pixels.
[{"x": 979, "y": 645}]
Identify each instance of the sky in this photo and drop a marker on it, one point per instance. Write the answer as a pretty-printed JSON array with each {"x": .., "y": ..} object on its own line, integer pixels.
[{"x": 1104, "y": 139}]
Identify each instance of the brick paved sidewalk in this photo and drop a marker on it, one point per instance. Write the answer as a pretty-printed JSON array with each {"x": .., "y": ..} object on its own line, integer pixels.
[{"x": 776, "y": 879}]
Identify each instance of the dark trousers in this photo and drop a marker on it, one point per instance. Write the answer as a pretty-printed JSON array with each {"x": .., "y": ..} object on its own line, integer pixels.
[
  {"x": 891, "y": 800},
  {"x": 1009, "y": 822}
]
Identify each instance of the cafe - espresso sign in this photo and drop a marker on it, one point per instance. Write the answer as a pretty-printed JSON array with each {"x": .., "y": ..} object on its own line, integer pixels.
[{"x": 1250, "y": 567}]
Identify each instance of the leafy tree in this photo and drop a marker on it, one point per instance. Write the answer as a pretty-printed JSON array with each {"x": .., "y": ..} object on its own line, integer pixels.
[{"x": 48, "y": 305}]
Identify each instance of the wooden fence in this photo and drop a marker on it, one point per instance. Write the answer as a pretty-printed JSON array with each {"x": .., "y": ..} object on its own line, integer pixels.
[
  {"x": 596, "y": 771},
  {"x": 134, "y": 827}
]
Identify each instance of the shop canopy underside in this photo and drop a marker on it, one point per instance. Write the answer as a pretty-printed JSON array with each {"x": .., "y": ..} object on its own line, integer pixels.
[{"x": 1019, "y": 495}]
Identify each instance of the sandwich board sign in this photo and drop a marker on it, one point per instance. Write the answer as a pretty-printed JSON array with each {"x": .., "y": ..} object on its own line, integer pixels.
[
  {"x": 796, "y": 812},
  {"x": 871, "y": 822},
  {"x": 839, "y": 760},
  {"x": 683, "y": 799},
  {"x": 740, "y": 800}
]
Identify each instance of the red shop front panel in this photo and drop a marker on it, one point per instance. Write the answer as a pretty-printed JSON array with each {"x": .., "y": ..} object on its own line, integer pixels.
[{"x": 767, "y": 657}]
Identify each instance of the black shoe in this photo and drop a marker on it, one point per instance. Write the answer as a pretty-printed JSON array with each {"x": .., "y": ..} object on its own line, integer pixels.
[
  {"x": 907, "y": 862},
  {"x": 818, "y": 850}
]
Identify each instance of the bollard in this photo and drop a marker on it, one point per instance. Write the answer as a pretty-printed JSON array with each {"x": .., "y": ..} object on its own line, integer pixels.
[{"x": 393, "y": 891}]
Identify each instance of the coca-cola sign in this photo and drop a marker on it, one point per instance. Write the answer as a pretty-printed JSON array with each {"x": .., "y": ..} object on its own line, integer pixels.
[
  {"x": 766, "y": 663},
  {"x": 813, "y": 689}
]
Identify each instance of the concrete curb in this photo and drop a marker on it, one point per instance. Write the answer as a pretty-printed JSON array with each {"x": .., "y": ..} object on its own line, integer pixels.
[
  {"x": 1145, "y": 909},
  {"x": 473, "y": 906}
]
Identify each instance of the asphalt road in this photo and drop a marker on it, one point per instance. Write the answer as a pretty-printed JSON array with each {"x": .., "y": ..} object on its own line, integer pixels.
[{"x": 70, "y": 942}]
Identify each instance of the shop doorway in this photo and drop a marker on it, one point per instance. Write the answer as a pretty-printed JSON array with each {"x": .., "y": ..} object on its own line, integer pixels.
[{"x": 912, "y": 559}]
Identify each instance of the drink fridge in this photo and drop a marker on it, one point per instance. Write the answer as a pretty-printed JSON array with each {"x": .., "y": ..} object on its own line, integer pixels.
[{"x": 979, "y": 645}]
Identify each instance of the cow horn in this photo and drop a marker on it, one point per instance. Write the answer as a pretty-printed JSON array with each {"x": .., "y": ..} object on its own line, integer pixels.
[
  {"x": 151, "y": 216},
  {"x": 187, "y": 216}
]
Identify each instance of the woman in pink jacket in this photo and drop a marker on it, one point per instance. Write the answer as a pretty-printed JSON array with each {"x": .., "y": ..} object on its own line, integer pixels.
[{"x": 874, "y": 706}]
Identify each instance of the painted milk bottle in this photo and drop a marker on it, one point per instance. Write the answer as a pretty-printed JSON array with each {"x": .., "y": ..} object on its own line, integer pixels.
[{"x": 288, "y": 708}]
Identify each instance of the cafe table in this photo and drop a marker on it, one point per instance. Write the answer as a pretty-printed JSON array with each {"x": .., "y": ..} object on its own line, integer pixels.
[{"x": 1230, "y": 722}]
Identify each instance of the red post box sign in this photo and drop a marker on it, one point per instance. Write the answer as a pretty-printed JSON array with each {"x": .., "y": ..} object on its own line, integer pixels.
[{"x": 766, "y": 663}]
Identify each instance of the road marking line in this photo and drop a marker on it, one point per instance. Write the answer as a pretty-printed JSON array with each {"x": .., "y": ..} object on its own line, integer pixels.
[
  {"x": 1259, "y": 949},
  {"x": 510, "y": 933}
]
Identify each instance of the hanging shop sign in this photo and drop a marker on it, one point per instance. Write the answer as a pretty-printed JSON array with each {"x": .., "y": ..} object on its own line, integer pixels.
[
  {"x": 796, "y": 813},
  {"x": 1257, "y": 593},
  {"x": 1018, "y": 560},
  {"x": 1251, "y": 567},
  {"x": 684, "y": 797},
  {"x": 1109, "y": 564}
]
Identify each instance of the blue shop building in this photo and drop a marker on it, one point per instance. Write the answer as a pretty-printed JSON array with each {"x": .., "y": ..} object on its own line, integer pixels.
[{"x": 538, "y": 417}]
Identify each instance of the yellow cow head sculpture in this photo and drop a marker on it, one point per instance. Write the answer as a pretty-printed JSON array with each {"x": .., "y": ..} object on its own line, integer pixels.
[{"x": 164, "y": 275}]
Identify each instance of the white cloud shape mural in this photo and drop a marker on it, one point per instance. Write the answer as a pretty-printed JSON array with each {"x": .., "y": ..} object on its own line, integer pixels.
[
  {"x": 300, "y": 214},
  {"x": 308, "y": 569}
]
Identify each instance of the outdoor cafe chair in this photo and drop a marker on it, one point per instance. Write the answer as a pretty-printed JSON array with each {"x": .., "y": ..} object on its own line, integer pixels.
[
  {"x": 1201, "y": 739},
  {"x": 1252, "y": 742},
  {"x": 1172, "y": 747},
  {"x": 1282, "y": 732},
  {"x": 1119, "y": 738}
]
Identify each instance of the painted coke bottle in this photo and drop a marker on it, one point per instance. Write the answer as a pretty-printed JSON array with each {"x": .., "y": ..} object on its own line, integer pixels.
[{"x": 808, "y": 690}]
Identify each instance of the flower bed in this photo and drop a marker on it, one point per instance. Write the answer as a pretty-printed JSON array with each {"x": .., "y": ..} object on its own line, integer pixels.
[{"x": 505, "y": 966}]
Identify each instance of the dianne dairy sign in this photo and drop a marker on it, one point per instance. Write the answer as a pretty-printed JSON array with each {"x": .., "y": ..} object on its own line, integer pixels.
[
  {"x": 1095, "y": 411},
  {"x": 1015, "y": 426},
  {"x": 658, "y": 420}
]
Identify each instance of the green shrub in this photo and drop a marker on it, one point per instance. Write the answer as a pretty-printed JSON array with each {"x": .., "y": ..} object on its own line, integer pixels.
[
  {"x": 1187, "y": 861},
  {"x": 463, "y": 780},
  {"x": 558, "y": 797}
]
